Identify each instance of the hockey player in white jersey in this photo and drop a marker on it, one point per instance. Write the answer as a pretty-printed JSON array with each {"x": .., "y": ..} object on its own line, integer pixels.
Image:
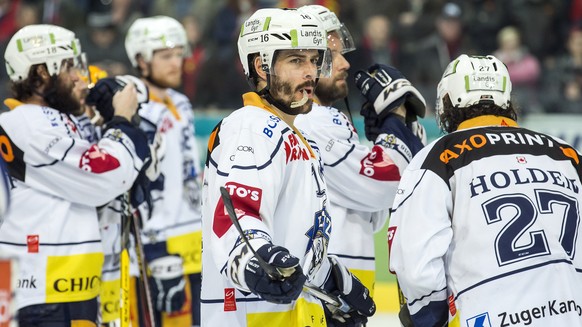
[
  {"x": 58, "y": 178},
  {"x": 275, "y": 178},
  {"x": 156, "y": 47},
  {"x": 486, "y": 222},
  {"x": 361, "y": 181}
]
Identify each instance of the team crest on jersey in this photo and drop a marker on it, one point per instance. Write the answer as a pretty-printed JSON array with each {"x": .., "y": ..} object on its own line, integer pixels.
[
  {"x": 246, "y": 201},
  {"x": 318, "y": 239},
  {"x": 293, "y": 150},
  {"x": 97, "y": 160},
  {"x": 378, "y": 165}
]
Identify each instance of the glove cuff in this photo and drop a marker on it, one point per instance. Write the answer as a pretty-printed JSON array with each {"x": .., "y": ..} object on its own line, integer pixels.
[{"x": 166, "y": 268}]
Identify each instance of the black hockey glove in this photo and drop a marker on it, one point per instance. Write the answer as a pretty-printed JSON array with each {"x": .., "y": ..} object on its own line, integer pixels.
[
  {"x": 348, "y": 288},
  {"x": 101, "y": 95},
  {"x": 404, "y": 316},
  {"x": 167, "y": 278},
  {"x": 259, "y": 282}
]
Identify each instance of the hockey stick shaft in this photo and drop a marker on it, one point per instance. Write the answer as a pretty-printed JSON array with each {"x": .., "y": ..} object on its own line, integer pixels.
[{"x": 276, "y": 272}]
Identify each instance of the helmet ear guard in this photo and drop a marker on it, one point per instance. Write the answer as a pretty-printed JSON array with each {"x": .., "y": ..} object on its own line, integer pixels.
[{"x": 470, "y": 80}]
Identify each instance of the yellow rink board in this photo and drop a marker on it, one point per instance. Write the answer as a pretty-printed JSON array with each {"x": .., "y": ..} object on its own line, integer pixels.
[{"x": 386, "y": 297}]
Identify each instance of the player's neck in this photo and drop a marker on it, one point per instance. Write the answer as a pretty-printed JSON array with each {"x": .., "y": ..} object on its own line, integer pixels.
[
  {"x": 157, "y": 91},
  {"x": 289, "y": 119}
]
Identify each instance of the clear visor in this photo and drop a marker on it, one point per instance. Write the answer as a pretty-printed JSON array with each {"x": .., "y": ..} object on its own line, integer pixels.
[
  {"x": 343, "y": 36},
  {"x": 298, "y": 63}
]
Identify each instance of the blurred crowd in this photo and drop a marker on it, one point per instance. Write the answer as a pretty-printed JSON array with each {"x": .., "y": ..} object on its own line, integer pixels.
[{"x": 539, "y": 40}]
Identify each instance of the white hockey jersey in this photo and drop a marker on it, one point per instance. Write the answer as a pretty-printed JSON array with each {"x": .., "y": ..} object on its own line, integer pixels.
[
  {"x": 275, "y": 179},
  {"x": 52, "y": 228},
  {"x": 176, "y": 216},
  {"x": 361, "y": 182},
  {"x": 485, "y": 229}
]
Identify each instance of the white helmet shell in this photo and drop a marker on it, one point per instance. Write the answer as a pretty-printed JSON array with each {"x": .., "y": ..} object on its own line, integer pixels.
[
  {"x": 469, "y": 80},
  {"x": 331, "y": 23},
  {"x": 149, "y": 34},
  {"x": 270, "y": 29},
  {"x": 40, "y": 44}
]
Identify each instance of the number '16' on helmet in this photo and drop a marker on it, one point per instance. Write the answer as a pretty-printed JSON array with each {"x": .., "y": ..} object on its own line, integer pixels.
[
  {"x": 270, "y": 30},
  {"x": 469, "y": 80}
]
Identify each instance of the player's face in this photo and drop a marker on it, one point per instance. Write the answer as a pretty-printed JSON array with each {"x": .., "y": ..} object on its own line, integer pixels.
[
  {"x": 293, "y": 78},
  {"x": 66, "y": 96},
  {"x": 335, "y": 87},
  {"x": 166, "y": 67}
]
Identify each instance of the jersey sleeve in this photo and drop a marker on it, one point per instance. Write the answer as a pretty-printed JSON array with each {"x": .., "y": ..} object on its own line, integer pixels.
[
  {"x": 54, "y": 160},
  {"x": 419, "y": 235},
  {"x": 361, "y": 178},
  {"x": 249, "y": 166}
]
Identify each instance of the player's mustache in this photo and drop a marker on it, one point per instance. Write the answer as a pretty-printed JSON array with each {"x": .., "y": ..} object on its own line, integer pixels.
[{"x": 304, "y": 85}]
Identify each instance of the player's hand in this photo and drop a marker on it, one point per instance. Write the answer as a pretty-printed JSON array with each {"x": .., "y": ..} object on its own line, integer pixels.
[
  {"x": 348, "y": 288},
  {"x": 125, "y": 101},
  {"x": 276, "y": 291},
  {"x": 101, "y": 97},
  {"x": 386, "y": 90},
  {"x": 168, "y": 283}
]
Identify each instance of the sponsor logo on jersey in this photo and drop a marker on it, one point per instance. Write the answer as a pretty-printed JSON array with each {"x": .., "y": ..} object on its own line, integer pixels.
[
  {"x": 73, "y": 277},
  {"x": 229, "y": 299},
  {"x": 478, "y": 141},
  {"x": 189, "y": 248},
  {"x": 110, "y": 299},
  {"x": 26, "y": 282},
  {"x": 97, "y": 160},
  {"x": 549, "y": 309},
  {"x": 293, "y": 149},
  {"x": 5, "y": 292},
  {"x": 166, "y": 124},
  {"x": 32, "y": 242},
  {"x": 378, "y": 165},
  {"x": 481, "y": 320},
  {"x": 246, "y": 201}
]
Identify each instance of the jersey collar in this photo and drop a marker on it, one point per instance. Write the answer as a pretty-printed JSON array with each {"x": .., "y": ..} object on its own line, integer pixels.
[
  {"x": 487, "y": 120},
  {"x": 253, "y": 99},
  {"x": 12, "y": 103}
]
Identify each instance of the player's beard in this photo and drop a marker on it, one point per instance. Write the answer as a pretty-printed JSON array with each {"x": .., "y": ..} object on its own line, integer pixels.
[
  {"x": 280, "y": 89},
  {"x": 169, "y": 81},
  {"x": 329, "y": 90},
  {"x": 60, "y": 96}
]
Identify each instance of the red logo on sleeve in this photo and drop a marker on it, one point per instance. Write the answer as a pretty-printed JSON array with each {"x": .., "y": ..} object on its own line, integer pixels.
[
  {"x": 246, "y": 201},
  {"x": 97, "y": 160},
  {"x": 32, "y": 241},
  {"x": 378, "y": 165},
  {"x": 229, "y": 300}
]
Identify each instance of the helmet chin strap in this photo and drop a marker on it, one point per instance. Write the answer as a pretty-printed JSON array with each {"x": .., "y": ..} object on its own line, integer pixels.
[{"x": 265, "y": 93}]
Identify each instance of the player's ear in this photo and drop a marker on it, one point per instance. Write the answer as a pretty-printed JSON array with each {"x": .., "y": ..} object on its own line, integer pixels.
[{"x": 258, "y": 68}]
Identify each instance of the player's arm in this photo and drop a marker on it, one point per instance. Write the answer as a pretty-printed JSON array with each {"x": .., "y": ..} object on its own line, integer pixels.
[{"x": 419, "y": 236}]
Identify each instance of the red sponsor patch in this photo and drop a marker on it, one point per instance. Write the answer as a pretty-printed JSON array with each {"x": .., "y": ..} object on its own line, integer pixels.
[
  {"x": 294, "y": 151},
  {"x": 379, "y": 166},
  {"x": 5, "y": 292},
  {"x": 452, "y": 307},
  {"x": 246, "y": 201},
  {"x": 32, "y": 241},
  {"x": 97, "y": 160},
  {"x": 229, "y": 299}
]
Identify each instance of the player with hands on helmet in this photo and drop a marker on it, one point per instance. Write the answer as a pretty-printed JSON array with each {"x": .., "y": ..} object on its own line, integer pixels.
[
  {"x": 261, "y": 159},
  {"x": 59, "y": 177},
  {"x": 499, "y": 213},
  {"x": 156, "y": 47}
]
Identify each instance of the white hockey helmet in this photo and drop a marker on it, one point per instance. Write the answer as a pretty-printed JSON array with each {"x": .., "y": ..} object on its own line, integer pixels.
[
  {"x": 269, "y": 30},
  {"x": 42, "y": 44},
  {"x": 149, "y": 34},
  {"x": 469, "y": 80},
  {"x": 331, "y": 23}
]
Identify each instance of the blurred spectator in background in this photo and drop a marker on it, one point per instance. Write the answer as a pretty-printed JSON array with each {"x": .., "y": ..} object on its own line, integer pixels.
[
  {"x": 433, "y": 53},
  {"x": 103, "y": 43},
  {"x": 193, "y": 63},
  {"x": 523, "y": 67},
  {"x": 563, "y": 80},
  {"x": 484, "y": 19}
]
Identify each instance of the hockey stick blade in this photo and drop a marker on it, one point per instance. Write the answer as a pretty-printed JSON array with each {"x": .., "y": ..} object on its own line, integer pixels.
[{"x": 277, "y": 273}]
